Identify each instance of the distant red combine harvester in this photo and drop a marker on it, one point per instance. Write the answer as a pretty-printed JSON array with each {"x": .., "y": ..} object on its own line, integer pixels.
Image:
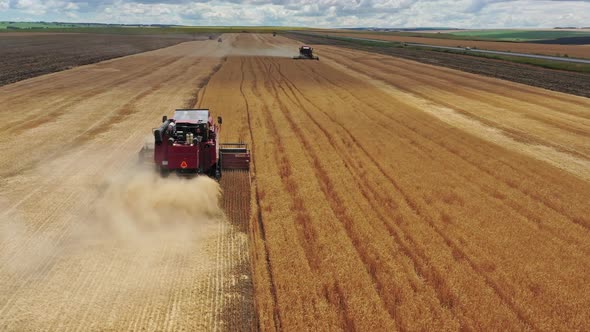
[
  {"x": 306, "y": 52},
  {"x": 188, "y": 143}
]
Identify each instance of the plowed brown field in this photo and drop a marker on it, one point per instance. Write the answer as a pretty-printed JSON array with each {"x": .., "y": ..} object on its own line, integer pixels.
[
  {"x": 576, "y": 51},
  {"x": 25, "y": 55},
  {"x": 385, "y": 195}
]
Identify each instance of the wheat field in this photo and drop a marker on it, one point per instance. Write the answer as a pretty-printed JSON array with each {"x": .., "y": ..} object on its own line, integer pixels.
[
  {"x": 373, "y": 209},
  {"x": 383, "y": 195}
]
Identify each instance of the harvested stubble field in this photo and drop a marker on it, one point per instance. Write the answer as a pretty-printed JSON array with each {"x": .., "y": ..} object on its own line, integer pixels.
[
  {"x": 91, "y": 241},
  {"x": 385, "y": 195}
]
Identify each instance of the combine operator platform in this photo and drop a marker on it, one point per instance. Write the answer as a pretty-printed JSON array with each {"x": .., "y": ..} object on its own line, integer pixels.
[{"x": 188, "y": 144}]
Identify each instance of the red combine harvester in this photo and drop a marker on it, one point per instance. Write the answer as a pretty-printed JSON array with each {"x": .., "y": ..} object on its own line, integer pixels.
[
  {"x": 188, "y": 144},
  {"x": 306, "y": 52}
]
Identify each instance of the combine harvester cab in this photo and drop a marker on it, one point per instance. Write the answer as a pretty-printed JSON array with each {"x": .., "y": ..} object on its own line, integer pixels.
[
  {"x": 306, "y": 53},
  {"x": 188, "y": 144}
]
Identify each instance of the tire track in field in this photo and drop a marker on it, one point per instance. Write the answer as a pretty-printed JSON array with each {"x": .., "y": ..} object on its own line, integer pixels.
[
  {"x": 216, "y": 278},
  {"x": 34, "y": 121},
  {"x": 63, "y": 109},
  {"x": 336, "y": 205},
  {"x": 476, "y": 165},
  {"x": 94, "y": 128},
  {"x": 494, "y": 174},
  {"x": 436, "y": 279},
  {"x": 501, "y": 104},
  {"x": 259, "y": 220},
  {"x": 100, "y": 127},
  {"x": 412, "y": 204},
  {"x": 525, "y": 95},
  {"x": 489, "y": 155},
  {"x": 239, "y": 310},
  {"x": 336, "y": 202},
  {"x": 80, "y": 284},
  {"x": 44, "y": 85},
  {"x": 97, "y": 287},
  {"x": 284, "y": 163},
  {"x": 125, "y": 111},
  {"x": 307, "y": 235},
  {"x": 290, "y": 185},
  {"x": 417, "y": 207},
  {"x": 42, "y": 89},
  {"x": 483, "y": 188},
  {"x": 63, "y": 231},
  {"x": 195, "y": 102},
  {"x": 332, "y": 197},
  {"x": 509, "y": 134},
  {"x": 560, "y": 120},
  {"x": 418, "y": 258},
  {"x": 30, "y": 241},
  {"x": 527, "y": 92}
]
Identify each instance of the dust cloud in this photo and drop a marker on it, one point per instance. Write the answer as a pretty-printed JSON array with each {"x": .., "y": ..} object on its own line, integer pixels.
[
  {"x": 145, "y": 204},
  {"x": 238, "y": 45},
  {"x": 130, "y": 209},
  {"x": 135, "y": 242},
  {"x": 278, "y": 51}
]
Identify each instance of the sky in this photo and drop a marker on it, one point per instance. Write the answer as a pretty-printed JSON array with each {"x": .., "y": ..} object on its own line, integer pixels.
[{"x": 312, "y": 13}]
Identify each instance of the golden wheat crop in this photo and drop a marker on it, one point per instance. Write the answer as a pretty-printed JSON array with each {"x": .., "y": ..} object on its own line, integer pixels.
[{"x": 372, "y": 212}]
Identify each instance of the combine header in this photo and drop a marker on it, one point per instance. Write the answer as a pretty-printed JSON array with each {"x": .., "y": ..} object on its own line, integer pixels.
[
  {"x": 188, "y": 144},
  {"x": 306, "y": 53}
]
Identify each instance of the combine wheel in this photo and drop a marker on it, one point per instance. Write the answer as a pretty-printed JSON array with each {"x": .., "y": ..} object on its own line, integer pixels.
[
  {"x": 164, "y": 172},
  {"x": 217, "y": 171},
  {"x": 214, "y": 172}
]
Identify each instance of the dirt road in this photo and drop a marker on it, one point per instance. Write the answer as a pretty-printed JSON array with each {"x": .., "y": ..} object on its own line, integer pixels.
[{"x": 385, "y": 195}]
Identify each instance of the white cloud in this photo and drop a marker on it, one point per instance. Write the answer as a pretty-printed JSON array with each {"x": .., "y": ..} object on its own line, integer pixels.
[
  {"x": 42, "y": 7},
  {"x": 71, "y": 6},
  {"x": 34, "y": 7},
  {"x": 318, "y": 13},
  {"x": 131, "y": 12},
  {"x": 536, "y": 14}
]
